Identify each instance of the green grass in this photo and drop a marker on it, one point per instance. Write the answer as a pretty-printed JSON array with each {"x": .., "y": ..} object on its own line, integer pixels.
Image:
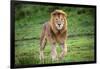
[
  {"x": 79, "y": 49},
  {"x": 29, "y": 20}
]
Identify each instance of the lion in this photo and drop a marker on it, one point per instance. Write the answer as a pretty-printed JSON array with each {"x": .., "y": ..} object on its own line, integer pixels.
[{"x": 54, "y": 31}]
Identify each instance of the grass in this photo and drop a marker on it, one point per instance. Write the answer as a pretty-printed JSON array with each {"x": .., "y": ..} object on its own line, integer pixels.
[
  {"x": 79, "y": 49},
  {"x": 29, "y": 22}
]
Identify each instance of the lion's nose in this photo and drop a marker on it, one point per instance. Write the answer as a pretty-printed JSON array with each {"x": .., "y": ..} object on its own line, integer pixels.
[{"x": 59, "y": 24}]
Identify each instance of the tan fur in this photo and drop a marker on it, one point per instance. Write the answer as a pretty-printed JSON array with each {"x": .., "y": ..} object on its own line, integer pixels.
[{"x": 51, "y": 34}]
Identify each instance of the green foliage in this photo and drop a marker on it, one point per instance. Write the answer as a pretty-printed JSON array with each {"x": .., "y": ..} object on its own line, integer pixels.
[{"x": 29, "y": 20}]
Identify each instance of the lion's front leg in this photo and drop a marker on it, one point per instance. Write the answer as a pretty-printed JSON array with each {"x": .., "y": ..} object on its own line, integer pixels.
[
  {"x": 42, "y": 56},
  {"x": 42, "y": 46},
  {"x": 63, "y": 51},
  {"x": 53, "y": 52}
]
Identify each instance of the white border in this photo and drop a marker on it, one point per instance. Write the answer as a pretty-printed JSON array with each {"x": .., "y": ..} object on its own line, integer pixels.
[{"x": 5, "y": 33}]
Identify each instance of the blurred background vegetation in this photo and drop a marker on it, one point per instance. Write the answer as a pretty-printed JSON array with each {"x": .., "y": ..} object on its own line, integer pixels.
[{"x": 29, "y": 19}]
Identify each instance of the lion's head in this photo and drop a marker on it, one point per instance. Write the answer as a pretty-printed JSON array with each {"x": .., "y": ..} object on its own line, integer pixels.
[{"x": 58, "y": 20}]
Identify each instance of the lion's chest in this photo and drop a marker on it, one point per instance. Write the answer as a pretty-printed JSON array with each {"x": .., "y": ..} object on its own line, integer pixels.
[
  {"x": 58, "y": 37},
  {"x": 51, "y": 36}
]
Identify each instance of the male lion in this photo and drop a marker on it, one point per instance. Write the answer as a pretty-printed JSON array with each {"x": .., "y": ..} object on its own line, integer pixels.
[{"x": 54, "y": 31}]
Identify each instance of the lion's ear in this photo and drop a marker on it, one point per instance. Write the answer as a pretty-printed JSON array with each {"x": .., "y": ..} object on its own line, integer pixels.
[
  {"x": 53, "y": 13},
  {"x": 65, "y": 14}
]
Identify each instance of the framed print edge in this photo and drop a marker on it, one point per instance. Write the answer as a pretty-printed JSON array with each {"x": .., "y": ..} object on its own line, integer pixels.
[{"x": 12, "y": 35}]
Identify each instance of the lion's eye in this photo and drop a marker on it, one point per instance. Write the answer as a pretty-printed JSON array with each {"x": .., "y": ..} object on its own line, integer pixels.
[
  {"x": 62, "y": 19},
  {"x": 56, "y": 19}
]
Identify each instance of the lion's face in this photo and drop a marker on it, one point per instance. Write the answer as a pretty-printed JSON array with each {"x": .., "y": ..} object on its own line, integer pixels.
[{"x": 59, "y": 21}]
